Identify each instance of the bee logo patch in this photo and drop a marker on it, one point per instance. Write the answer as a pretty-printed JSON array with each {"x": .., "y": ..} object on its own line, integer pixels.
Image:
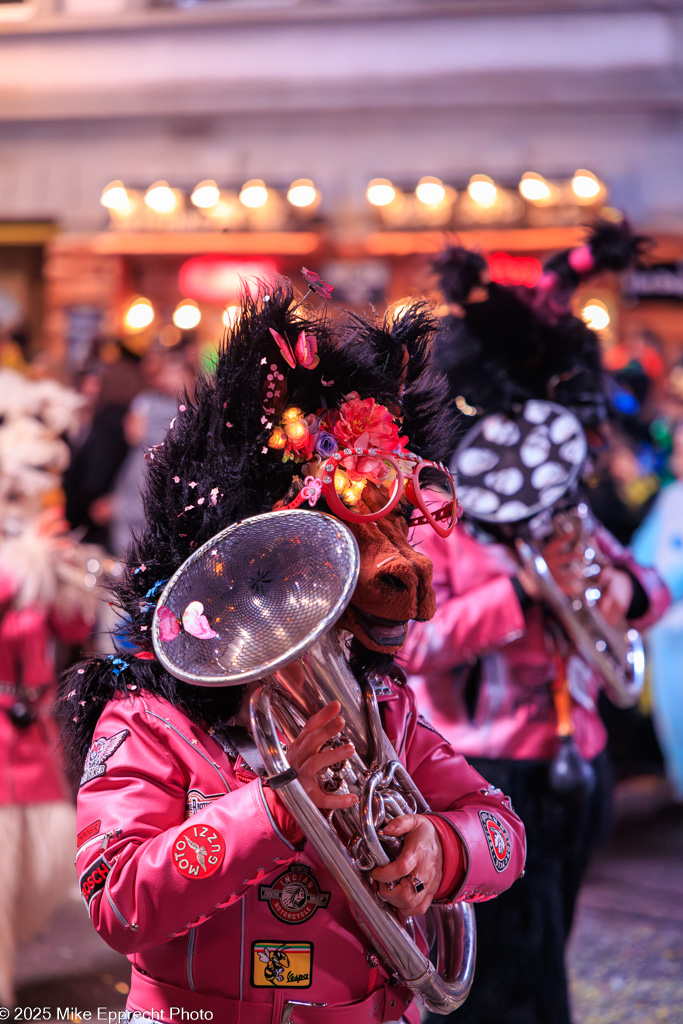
[
  {"x": 281, "y": 964},
  {"x": 498, "y": 840},
  {"x": 198, "y": 851},
  {"x": 295, "y": 895}
]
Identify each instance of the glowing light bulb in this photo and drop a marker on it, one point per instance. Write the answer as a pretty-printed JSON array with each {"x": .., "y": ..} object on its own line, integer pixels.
[
  {"x": 187, "y": 315},
  {"x": 160, "y": 198},
  {"x": 115, "y": 197},
  {"x": 296, "y": 430},
  {"x": 291, "y": 414},
  {"x": 230, "y": 316},
  {"x": 277, "y": 439},
  {"x": 585, "y": 185},
  {"x": 430, "y": 191},
  {"x": 139, "y": 315},
  {"x": 482, "y": 190},
  {"x": 302, "y": 192},
  {"x": 596, "y": 315},
  {"x": 254, "y": 193},
  {"x": 380, "y": 192},
  {"x": 341, "y": 481},
  {"x": 354, "y": 492},
  {"x": 534, "y": 188},
  {"x": 205, "y": 195}
]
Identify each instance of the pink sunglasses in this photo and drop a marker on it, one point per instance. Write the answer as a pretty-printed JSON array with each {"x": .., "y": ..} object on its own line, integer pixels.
[{"x": 341, "y": 493}]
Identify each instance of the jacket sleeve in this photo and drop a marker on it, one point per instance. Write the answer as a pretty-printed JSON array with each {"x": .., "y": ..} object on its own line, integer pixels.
[
  {"x": 148, "y": 874},
  {"x": 476, "y": 611},
  {"x": 482, "y": 818},
  {"x": 653, "y": 585}
]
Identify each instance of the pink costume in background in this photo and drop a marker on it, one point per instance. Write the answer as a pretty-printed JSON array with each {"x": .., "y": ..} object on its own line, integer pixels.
[
  {"x": 44, "y": 600},
  {"x": 479, "y": 616}
]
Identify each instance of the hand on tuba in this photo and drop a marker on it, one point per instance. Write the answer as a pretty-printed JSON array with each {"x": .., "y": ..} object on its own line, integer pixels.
[
  {"x": 421, "y": 858},
  {"x": 561, "y": 555},
  {"x": 617, "y": 594},
  {"x": 307, "y": 756}
]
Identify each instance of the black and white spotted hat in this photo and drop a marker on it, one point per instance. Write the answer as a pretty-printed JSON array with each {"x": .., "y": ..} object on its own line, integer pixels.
[{"x": 511, "y": 467}]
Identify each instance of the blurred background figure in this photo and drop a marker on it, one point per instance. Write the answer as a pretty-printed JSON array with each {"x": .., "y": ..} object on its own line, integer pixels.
[
  {"x": 496, "y": 671},
  {"x": 168, "y": 375},
  {"x": 100, "y": 446},
  {"x": 48, "y": 596},
  {"x": 659, "y": 542}
]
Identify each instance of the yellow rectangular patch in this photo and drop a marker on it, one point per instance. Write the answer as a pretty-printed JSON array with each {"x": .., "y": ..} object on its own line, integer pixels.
[{"x": 281, "y": 964}]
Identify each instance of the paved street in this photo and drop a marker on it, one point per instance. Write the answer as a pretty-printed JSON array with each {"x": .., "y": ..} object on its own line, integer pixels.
[
  {"x": 627, "y": 948},
  {"x": 626, "y": 952}
]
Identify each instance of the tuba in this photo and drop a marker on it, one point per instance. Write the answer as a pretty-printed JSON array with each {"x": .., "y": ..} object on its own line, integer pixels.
[
  {"x": 273, "y": 587},
  {"x": 517, "y": 476}
]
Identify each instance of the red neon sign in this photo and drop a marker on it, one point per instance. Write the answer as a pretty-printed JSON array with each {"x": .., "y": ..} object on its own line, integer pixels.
[
  {"x": 216, "y": 278},
  {"x": 511, "y": 270}
]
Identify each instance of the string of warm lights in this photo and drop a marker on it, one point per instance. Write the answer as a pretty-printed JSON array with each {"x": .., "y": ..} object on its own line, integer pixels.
[
  {"x": 482, "y": 193},
  {"x": 583, "y": 188},
  {"x": 162, "y": 199}
]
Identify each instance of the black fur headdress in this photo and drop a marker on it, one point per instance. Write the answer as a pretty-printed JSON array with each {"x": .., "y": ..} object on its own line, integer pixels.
[
  {"x": 216, "y": 467},
  {"x": 510, "y": 344}
]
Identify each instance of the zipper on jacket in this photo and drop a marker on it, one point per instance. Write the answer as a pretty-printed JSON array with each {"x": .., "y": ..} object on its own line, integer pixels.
[
  {"x": 189, "y": 959},
  {"x": 119, "y": 915},
  {"x": 102, "y": 838}
]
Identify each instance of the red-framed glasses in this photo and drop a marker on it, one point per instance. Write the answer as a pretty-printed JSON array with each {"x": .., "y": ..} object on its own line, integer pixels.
[{"x": 345, "y": 475}]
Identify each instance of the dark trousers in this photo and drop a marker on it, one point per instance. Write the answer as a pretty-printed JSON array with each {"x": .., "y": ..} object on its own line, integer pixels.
[{"x": 520, "y": 975}]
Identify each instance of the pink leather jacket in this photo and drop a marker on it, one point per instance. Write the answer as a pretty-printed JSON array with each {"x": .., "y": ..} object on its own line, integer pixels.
[
  {"x": 30, "y": 770},
  {"x": 183, "y": 868},
  {"x": 479, "y": 616}
]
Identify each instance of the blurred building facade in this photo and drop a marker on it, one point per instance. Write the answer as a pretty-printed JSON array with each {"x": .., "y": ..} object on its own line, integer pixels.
[{"x": 336, "y": 93}]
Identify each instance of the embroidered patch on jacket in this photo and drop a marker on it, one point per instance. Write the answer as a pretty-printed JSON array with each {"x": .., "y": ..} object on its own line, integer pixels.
[
  {"x": 281, "y": 964},
  {"x": 198, "y": 851},
  {"x": 295, "y": 895},
  {"x": 497, "y": 838},
  {"x": 100, "y": 751},
  {"x": 93, "y": 829},
  {"x": 197, "y": 801},
  {"x": 93, "y": 880}
]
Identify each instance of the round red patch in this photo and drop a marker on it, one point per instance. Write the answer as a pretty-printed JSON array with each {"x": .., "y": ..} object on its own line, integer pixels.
[{"x": 198, "y": 851}]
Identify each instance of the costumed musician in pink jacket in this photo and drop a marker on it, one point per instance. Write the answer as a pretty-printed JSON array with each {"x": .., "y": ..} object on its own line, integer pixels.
[
  {"x": 189, "y": 861},
  {"x": 494, "y": 670}
]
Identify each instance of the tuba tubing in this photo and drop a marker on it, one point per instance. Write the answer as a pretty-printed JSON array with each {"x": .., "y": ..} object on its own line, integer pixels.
[
  {"x": 282, "y": 704},
  {"x": 618, "y": 656}
]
